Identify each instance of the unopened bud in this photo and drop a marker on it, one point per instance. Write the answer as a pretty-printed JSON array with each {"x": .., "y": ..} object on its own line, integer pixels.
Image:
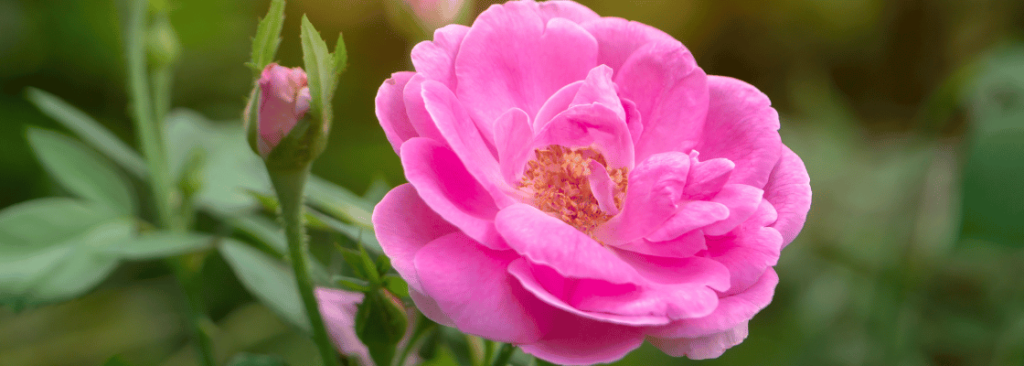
[{"x": 284, "y": 100}]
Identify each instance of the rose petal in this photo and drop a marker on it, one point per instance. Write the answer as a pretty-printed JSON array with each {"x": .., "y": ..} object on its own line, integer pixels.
[
  {"x": 702, "y": 348},
  {"x": 338, "y": 309},
  {"x": 693, "y": 215},
  {"x": 707, "y": 177},
  {"x": 472, "y": 286},
  {"x": 566, "y": 9},
  {"x": 404, "y": 224},
  {"x": 731, "y": 311},
  {"x": 430, "y": 308},
  {"x": 512, "y": 137},
  {"x": 655, "y": 189},
  {"x": 416, "y": 109},
  {"x": 548, "y": 241},
  {"x": 742, "y": 200},
  {"x": 789, "y": 191},
  {"x": 465, "y": 140},
  {"x": 436, "y": 59},
  {"x": 591, "y": 125},
  {"x": 691, "y": 270},
  {"x": 670, "y": 92},
  {"x": 442, "y": 181},
  {"x": 548, "y": 286},
  {"x": 617, "y": 39},
  {"x": 742, "y": 127},
  {"x": 602, "y": 187},
  {"x": 513, "y": 58},
  {"x": 599, "y": 88},
  {"x": 748, "y": 254},
  {"x": 390, "y": 109},
  {"x": 685, "y": 245},
  {"x": 574, "y": 340}
]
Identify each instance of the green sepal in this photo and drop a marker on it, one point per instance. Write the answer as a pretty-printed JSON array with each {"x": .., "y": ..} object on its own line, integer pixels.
[
  {"x": 268, "y": 37},
  {"x": 251, "y": 120},
  {"x": 380, "y": 325}
]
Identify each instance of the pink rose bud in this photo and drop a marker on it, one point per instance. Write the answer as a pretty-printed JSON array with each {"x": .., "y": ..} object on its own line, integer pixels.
[
  {"x": 435, "y": 13},
  {"x": 284, "y": 100}
]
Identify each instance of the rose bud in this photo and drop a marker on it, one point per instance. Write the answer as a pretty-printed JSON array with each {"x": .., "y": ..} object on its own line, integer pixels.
[{"x": 284, "y": 100}]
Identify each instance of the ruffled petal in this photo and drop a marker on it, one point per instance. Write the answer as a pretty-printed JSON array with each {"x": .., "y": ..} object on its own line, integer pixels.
[
  {"x": 430, "y": 308},
  {"x": 742, "y": 200},
  {"x": 416, "y": 109},
  {"x": 685, "y": 245},
  {"x": 748, "y": 254},
  {"x": 513, "y": 58},
  {"x": 590, "y": 125},
  {"x": 390, "y": 109},
  {"x": 550, "y": 287},
  {"x": 702, "y": 348},
  {"x": 617, "y": 39},
  {"x": 731, "y": 311},
  {"x": 690, "y": 270},
  {"x": 442, "y": 181},
  {"x": 545, "y": 240},
  {"x": 692, "y": 216},
  {"x": 404, "y": 224},
  {"x": 574, "y": 340},
  {"x": 789, "y": 191},
  {"x": 742, "y": 127},
  {"x": 671, "y": 93},
  {"x": 466, "y": 140},
  {"x": 654, "y": 193},
  {"x": 707, "y": 177},
  {"x": 599, "y": 88},
  {"x": 472, "y": 287},
  {"x": 602, "y": 187},
  {"x": 436, "y": 59}
]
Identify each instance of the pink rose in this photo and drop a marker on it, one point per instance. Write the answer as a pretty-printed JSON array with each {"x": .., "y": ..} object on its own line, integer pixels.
[
  {"x": 284, "y": 100},
  {"x": 578, "y": 184}
]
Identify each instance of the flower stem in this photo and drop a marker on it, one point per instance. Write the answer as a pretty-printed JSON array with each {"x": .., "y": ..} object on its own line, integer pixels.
[
  {"x": 290, "y": 185},
  {"x": 504, "y": 355},
  {"x": 148, "y": 128}
]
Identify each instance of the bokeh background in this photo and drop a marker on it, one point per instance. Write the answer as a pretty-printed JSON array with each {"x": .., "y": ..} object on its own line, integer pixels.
[{"x": 909, "y": 115}]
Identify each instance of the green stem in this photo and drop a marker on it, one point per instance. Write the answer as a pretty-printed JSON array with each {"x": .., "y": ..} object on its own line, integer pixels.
[
  {"x": 146, "y": 119},
  {"x": 488, "y": 351},
  {"x": 504, "y": 355},
  {"x": 290, "y": 185},
  {"x": 415, "y": 342}
]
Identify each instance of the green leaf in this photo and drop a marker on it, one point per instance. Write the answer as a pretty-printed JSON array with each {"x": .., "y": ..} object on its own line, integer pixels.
[
  {"x": 263, "y": 230},
  {"x": 48, "y": 221},
  {"x": 321, "y": 72},
  {"x": 269, "y": 280},
  {"x": 360, "y": 235},
  {"x": 268, "y": 37},
  {"x": 88, "y": 130},
  {"x": 339, "y": 202},
  {"x": 46, "y": 257},
  {"x": 248, "y": 359},
  {"x": 159, "y": 245},
  {"x": 116, "y": 361},
  {"x": 352, "y": 284},
  {"x": 80, "y": 170},
  {"x": 340, "y": 56},
  {"x": 377, "y": 190},
  {"x": 383, "y": 264},
  {"x": 397, "y": 286},
  {"x": 380, "y": 324}
]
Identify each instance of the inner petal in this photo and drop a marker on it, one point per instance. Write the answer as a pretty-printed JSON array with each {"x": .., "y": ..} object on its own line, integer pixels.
[{"x": 558, "y": 180}]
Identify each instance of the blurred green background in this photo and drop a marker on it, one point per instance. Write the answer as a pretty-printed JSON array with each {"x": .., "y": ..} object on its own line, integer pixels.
[{"x": 909, "y": 115}]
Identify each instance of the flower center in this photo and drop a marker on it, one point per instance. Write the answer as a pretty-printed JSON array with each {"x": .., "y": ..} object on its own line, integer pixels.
[{"x": 559, "y": 179}]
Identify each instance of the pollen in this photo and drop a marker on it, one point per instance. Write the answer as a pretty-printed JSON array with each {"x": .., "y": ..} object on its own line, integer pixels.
[{"x": 559, "y": 182}]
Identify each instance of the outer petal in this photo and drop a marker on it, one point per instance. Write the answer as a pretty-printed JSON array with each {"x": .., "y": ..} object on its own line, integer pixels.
[
  {"x": 430, "y": 308},
  {"x": 471, "y": 285},
  {"x": 404, "y": 224},
  {"x": 574, "y": 340},
  {"x": 692, "y": 270},
  {"x": 513, "y": 57},
  {"x": 416, "y": 109},
  {"x": 731, "y": 311},
  {"x": 390, "y": 108},
  {"x": 655, "y": 189},
  {"x": 339, "y": 309},
  {"x": 566, "y": 9},
  {"x": 742, "y": 127},
  {"x": 466, "y": 140},
  {"x": 618, "y": 38},
  {"x": 702, "y": 348},
  {"x": 442, "y": 181},
  {"x": 671, "y": 93},
  {"x": 789, "y": 191},
  {"x": 545, "y": 240},
  {"x": 436, "y": 59}
]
